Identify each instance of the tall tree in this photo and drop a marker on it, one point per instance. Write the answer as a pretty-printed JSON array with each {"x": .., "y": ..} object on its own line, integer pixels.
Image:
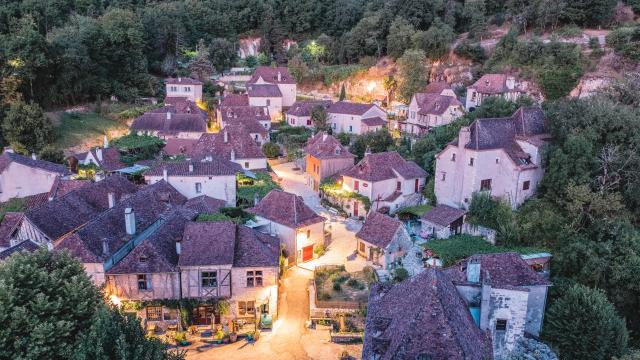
[
  {"x": 343, "y": 93},
  {"x": 412, "y": 74},
  {"x": 222, "y": 54},
  {"x": 26, "y": 125},
  {"x": 399, "y": 38},
  {"x": 474, "y": 13},
  {"x": 320, "y": 118}
]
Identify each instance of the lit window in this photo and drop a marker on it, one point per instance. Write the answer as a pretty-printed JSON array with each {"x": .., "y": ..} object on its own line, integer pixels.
[
  {"x": 144, "y": 282},
  {"x": 198, "y": 188},
  {"x": 154, "y": 313},
  {"x": 254, "y": 278},
  {"x": 308, "y": 234},
  {"x": 362, "y": 247},
  {"x": 246, "y": 307},
  {"x": 209, "y": 279}
]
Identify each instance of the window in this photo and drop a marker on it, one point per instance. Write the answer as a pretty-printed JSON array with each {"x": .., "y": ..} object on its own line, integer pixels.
[
  {"x": 362, "y": 247},
  {"x": 413, "y": 114},
  {"x": 254, "y": 278},
  {"x": 497, "y": 160},
  {"x": 198, "y": 188},
  {"x": 356, "y": 185},
  {"x": 246, "y": 164},
  {"x": 350, "y": 128},
  {"x": 526, "y": 184},
  {"x": 470, "y": 161},
  {"x": 453, "y": 157},
  {"x": 187, "y": 88},
  {"x": 144, "y": 282},
  {"x": 154, "y": 313},
  {"x": 209, "y": 279},
  {"x": 444, "y": 176},
  {"x": 309, "y": 122},
  {"x": 170, "y": 315},
  {"x": 173, "y": 88},
  {"x": 268, "y": 102},
  {"x": 398, "y": 185},
  {"x": 308, "y": 234},
  {"x": 246, "y": 307},
  {"x": 485, "y": 185},
  {"x": 142, "y": 259},
  {"x": 501, "y": 324},
  {"x": 293, "y": 121},
  {"x": 333, "y": 126}
]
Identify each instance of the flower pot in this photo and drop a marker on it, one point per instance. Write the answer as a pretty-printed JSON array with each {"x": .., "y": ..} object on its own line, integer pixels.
[{"x": 233, "y": 337}]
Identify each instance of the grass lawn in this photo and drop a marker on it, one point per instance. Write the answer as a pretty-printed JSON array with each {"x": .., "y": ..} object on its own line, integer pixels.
[
  {"x": 77, "y": 129},
  {"x": 461, "y": 246},
  {"x": 417, "y": 210},
  {"x": 13, "y": 205},
  {"x": 335, "y": 283}
]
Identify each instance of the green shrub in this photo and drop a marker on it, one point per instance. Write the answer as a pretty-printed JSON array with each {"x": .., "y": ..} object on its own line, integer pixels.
[
  {"x": 324, "y": 296},
  {"x": 400, "y": 274},
  {"x": 626, "y": 40},
  {"x": 320, "y": 250},
  {"x": 271, "y": 150},
  {"x": 468, "y": 50},
  {"x": 337, "y": 287},
  {"x": 355, "y": 284}
]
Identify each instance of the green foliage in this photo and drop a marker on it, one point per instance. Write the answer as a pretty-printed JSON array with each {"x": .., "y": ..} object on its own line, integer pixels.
[
  {"x": 400, "y": 274},
  {"x": 626, "y": 40},
  {"x": 222, "y": 54},
  {"x": 50, "y": 153},
  {"x": 27, "y": 125},
  {"x": 474, "y": 13},
  {"x": 495, "y": 214},
  {"x": 271, "y": 150},
  {"x": 375, "y": 141},
  {"x": 46, "y": 302},
  {"x": 249, "y": 188},
  {"x": 293, "y": 139},
  {"x": 137, "y": 147},
  {"x": 75, "y": 128},
  {"x": 344, "y": 138},
  {"x": 584, "y": 324},
  {"x": 435, "y": 42},
  {"x": 411, "y": 74},
  {"x": 530, "y": 349},
  {"x": 12, "y": 205},
  {"x": 235, "y": 214},
  {"x": 330, "y": 187},
  {"x": 319, "y": 250},
  {"x": 337, "y": 287},
  {"x": 320, "y": 118},
  {"x": 399, "y": 38}
]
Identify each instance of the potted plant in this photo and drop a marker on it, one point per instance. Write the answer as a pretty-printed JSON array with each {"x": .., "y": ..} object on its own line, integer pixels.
[{"x": 233, "y": 337}]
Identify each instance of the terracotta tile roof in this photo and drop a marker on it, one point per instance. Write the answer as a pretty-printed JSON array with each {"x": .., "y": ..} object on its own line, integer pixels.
[
  {"x": 384, "y": 166},
  {"x": 182, "y": 81},
  {"x": 303, "y": 108},
  {"x": 393, "y": 196},
  {"x": 374, "y": 121},
  {"x": 492, "y": 84},
  {"x": 66, "y": 213},
  {"x": 157, "y": 253},
  {"x": 204, "y": 204},
  {"x": 175, "y": 146},
  {"x": 401, "y": 317},
  {"x": 270, "y": 75},
  {"x": 208, "y": 243},
  {"x": 234, "y": 100},
  {"x": 443, "y": 215},
  {"x": 286, "y": 209},
  {"x": 502, "y": 133},
  {"x": 500, "y": 270},
  {"x": 26, "y": 245},
  {"x": 435, "y": 104},
  {"x": 151, "y": 121},
  {"x": 243, "y": 113},
  {"x": 324, "y": 146},
  {"x": 437, "y": 87},
  {"x": 263, "y": 90},
  {"x": 239, "y": 142},
  {"x": 345, "y": 107},
  {"x": 379, "y": 229},
  {"x": 148, "y": 204},
  {"x": 9, "y": 224},
  {"x": 36, "y": 200},
  {"x": 215, "y": 167},
  {"x": 9, "y": 157},
  {"x": 62, "y": 186},
  {"x": 255, "y": 249}
]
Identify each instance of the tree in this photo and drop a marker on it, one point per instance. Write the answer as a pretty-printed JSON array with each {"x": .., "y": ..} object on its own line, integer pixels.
[
  {"x": 343, "y": 93},
  {"x": 200, "y": 66},
  {"x": 27, "y": 125},
  {"x": 474, "y": 12},
  {"x": 46, "y": 301},
  {"x": 297, "y": 68},
  {"x": 390, "y": 85},
  {"x": 530, "y": 349},
  {"x": 319, "y": 117},
  {"x": 583, "y": 324},
  {"x": 399, "y": 38},
  {"x": 411, "y": 74},
  {"x": 222, "y": 54},
  {"x": 435, "y": 41},
  {"x": 375, "y": 141},
  {"x": 52, "y": 154},
  {"x": 271, "y": 150}
]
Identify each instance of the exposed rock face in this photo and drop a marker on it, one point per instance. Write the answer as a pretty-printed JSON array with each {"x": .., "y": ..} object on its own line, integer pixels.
[
  {"x": 611, "y": 67},
  {"x": 249, "y": 47}
]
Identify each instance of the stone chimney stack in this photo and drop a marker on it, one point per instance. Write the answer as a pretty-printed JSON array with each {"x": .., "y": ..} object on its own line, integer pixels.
[
  {"x": 112, "y": 199},
  {"x": 367, "y": 151},
  {"x": 464, "y": 137},
  {"x": 178, "y": 247},
  {"x": 130, "y": 221},
  {"x": 165, "y": 175},
  {"x": 190, "y": 167},
  {"x": 105, "y": 247},
  {"x": 105, "y": 142},
  {"x": 510, "y": 83},
  {"x": 279, "y": 76},
  {"x": 33, "y": 156},
  {"x": 473, "y": 271},
  {"x": 168, "y": 115},
  {"x": 99, "y": 154},
  {"x": 226, "y": 137}
]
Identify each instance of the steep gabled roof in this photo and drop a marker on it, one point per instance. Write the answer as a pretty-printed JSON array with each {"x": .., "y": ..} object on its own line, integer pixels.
[
  {"x": 9, "y": 224},
  {"x": 437, "y": 87},
  {"x": 435, "y": 104},
  {"x": 422, "y": 316},
  {"x": 379, "y": 229},
  {"x": 239, "y": 142},
  {"x": 492, "y": 84},
  {"x": 263, "y": 90},
  {"x": 26, "y": 245},
  {"x": 374, "y": 121},
  {"x": 182, "y": 81},
  {"x": 234, "y": 100},
  {"x": 272, "y": 75},
  {"x": 443, "y": 215},
  {"x": 324, "y": 146},
  {"x": 384, "y": 166},
  {"x": 242, "y": 113},
  {"x": 110, "y": 158},
  {"x": 10, "y": 157},
  {"x": 349, "y": 108},
  {"x": 287, "y": 209},
  {"x": 204, "y": 204},
  {"x": 303, "y": 108},
  {"x": 254, "y": 249},
  {"x": 214, "y": 167}
]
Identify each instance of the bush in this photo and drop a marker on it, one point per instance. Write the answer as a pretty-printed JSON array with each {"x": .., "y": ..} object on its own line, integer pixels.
[
  {"x": 626, "y": 40},
  {"x": 271, "y": 150},
  {"x": 400, "y": 274},
  {"x": 355, "y": 284},
  {"x": 320, "y": 250},
  {"x": 339, "y": 278},
  {"x": 324, "y": 296},
  {"x": 473, "y": 52},
  {"x": 337, "y": 287}
]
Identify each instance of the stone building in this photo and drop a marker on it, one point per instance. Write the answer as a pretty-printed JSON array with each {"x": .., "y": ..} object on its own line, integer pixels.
[
  {"x": 22, "y": 176},
  {"x": 356, "y": 118},
  {"x": 325, "y": 157},
  {"x": 383, "y": 240},
  {"x": 489, "y": 85}
]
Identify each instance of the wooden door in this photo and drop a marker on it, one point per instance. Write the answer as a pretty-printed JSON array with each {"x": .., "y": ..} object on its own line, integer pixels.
[
  {"x": 203, "y": 315},
  {"x": 307, "y": 253},
  {"x": 356, "y": 185},
  {"x": 355, "y": 208},
  {"x": 417, "y": 186}
]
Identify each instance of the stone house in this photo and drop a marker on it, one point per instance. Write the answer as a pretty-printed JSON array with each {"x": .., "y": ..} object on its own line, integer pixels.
[
  {"x": 105, "y": 157},
  {"x": 279, "y": 76},
  {"x": 255, "y": 120},
  {"x": 190, "y": 89},
  {"x": 387, "y": 179},
  {"x": 355, "y": 118},
  {"x": 232, "y": 100},
  {"x": 428, "y": 110},
  {"x": 501, "y": 156},
  {"x": 233, "y": 143},
  {"x": 299, "y": 114},
  {"x": 325, "y": 157},
  {"x": 383, "y": 240},
  {"x": 22, "y": 176},
  {"x": 215, "y": 178},
  {"x": 286, "y": 216},
  {"x": 170, "y": 125},
  {"x": 268, "y": 96},
  {"x": 488, "y": 85},
  {"x": 442, "y": 221}
]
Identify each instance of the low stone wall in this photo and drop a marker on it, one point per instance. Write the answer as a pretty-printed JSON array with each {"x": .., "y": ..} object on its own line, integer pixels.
[{"x": 488, "y": 234}]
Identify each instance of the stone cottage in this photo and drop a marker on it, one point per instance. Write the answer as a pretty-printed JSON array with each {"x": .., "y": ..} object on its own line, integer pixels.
[
  {"x": 325, "y": 157},
  {"x": 383, "y": 240}
]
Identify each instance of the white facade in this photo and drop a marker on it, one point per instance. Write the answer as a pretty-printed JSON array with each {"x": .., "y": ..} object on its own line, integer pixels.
[
  {"x": 274, "y": 104},
  {"x": 352, "y": 124},
  {"x": 378, "y": 191},
  {"x": 251, "y": 164},
  {"x": 217, "y": 187},
  {"x": 418, "y": 124},
  {"x": 178, "y": 88},
  {"x": 460, "y": 172},
  {"x": 18, "y": 181},
  {"x": 475, "y": 97},
  {"x": 295, "y": 120},
  {"x": 294, "y": 240},
  {"x": 288, "y": 91},
  {"x": 385, "y": 257}
]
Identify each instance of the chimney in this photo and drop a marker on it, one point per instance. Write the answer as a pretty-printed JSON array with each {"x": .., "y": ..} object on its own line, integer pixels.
[
  {"x": 179, "y": 79},
  {"x": 473, "y": 271},
  {"x": 233, "y": 155},
  {"x": 33, "y": 156},
  {"x": 226, "y": 137},
  {"x": 8, "y": 149},
  {"x": 256, "y": 199},
  {"x": 279, "y": 76},
  {"x": 324, "y": 136},
  {"x": 208, "y": 158},
  {"x": 105, "y": 142},
  {"x": 464, "y": 136},
  {"x": 190, "y": 167},
  {"x": 130, "y": 221},
  {"x": 99, "y": 153},
  {"x": 112, "y": 199},
  {"x": 165, "y": 175},
  {"x": 168, "y": 115},
  {"x": 367, "y": 151},
  {"x": 105, "y": 247},
  {"x": 178, "y": 248},
  {"x": 510, "y": 82}
]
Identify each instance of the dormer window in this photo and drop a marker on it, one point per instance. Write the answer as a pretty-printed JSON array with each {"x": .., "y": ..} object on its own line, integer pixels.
[
  {"x": 337, "y": 151},
  {"x": 453, "y": 157},
  {"x": 142, "y": 259}
]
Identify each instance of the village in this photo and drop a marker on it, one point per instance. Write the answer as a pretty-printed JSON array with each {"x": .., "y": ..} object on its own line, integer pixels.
[{"x": 229, "y": 243}]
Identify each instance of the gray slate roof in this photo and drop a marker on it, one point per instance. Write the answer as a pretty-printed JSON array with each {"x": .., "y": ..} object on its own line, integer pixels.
[
  {"x": 9, "y": 157},
  {"x": 324, "y": 146},
  {"x": 215, "y": 167},
  {"x": 379, "y": 229},
  {"x": 238, "y": 140},
  {"x": 350, "y": 108},
  {"x": 286, "y": 209},
  {"x": 443, "y": 215},
  {"x": 383, "y": 166},
  {"x": 263, "y": 90}
]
